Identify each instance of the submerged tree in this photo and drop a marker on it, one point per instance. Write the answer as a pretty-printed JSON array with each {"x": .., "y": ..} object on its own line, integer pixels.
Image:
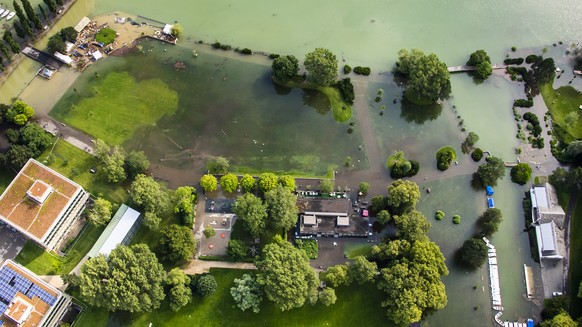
[
  {"x": 285, "y": 68},
  {"x": 321, "y": 66}
]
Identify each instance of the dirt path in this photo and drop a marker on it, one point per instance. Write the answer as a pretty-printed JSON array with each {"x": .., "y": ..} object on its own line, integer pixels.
[{"x": 200, "y": 266}]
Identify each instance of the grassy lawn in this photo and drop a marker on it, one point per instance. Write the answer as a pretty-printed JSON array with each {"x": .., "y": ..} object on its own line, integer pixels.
[
  {"x": 576, "y": 259},
  {"x": 41, "y": 262},
  {"x": 352, "y": 250},
  {"x": 342, "y": 112},
  {"x": 117, "y": 105},
  {"x": 356, "y": 305},
  {"x": 561, "y": 102},
  {"x": 75, "y": 164}
]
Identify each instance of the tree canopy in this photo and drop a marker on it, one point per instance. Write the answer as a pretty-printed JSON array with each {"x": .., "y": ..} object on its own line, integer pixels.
[
  {"x": 206, "y": 285},
  {"x": 267, "y": 182},
  {"x": 402, "y": 195},
  {"x": 412, "y": 226},
  {"x": 19, "y": 113},
  {"x": 521, "y": 173},
  {"x": 325, "y": 186},
  {"x": 321, "y": 66},
  {"x": 229, "y": 182},
  {"x": 129, "y": 279},
  {"x": 282, "y": 208},
  {"x": 489, "y": 221},
  {"x": 151, "y": 196},
  {"x": 114, "y": 165},
  {"x": 209, "y": 183},
  {"x": 287, "y": 181},
  {"x": 561, "y": 320},
  {"x": 411, "y": 279},
  {"x": 473, "y": 253},
  {"x": 100, "y": 213},
  {"x": 218, "y": 165},
  {"x": 247, "y": 293},
  {"x": 176, "y": 244},
  {"x": 180, "y": 293},
  {"x": 285, "y": 68},
  {"x": 362, "y": 270},
  {"x": 428, "y": 77},
  {"x": 253, "y": 213},
  {"x": 287, "y": 279},
  {"x": 136, "y": 162},
  {"x": 247, "y": 183},
  {"x": 327, "y": 296},
  {"x": 491, "y": 171},
  {"x": 185, "y": 197},
  {"x": 481, "y": 61}
]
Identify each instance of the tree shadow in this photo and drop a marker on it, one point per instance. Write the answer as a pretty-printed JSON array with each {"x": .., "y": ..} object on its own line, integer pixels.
[
  {"x": 476, "y": 183},
  {"x": 316, "y": 100},
  {"x": 418, "y": 113}
]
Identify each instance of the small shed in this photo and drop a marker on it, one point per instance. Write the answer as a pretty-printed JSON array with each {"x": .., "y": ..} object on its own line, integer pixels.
[
  {"x": 82, "y": 24},
  {"x": 309, "y": 220}
]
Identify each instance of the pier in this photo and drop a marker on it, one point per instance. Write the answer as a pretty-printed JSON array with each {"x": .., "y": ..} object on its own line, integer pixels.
[
  {"x": 42, "y": 57},
  {"x": 461, "y": 69}
]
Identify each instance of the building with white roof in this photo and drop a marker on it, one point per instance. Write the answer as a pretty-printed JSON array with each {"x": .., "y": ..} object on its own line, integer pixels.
[{"x": 120, "y": 230}]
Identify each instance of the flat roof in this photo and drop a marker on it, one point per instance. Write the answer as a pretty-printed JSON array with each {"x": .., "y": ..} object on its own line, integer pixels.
[
  {"x": 548, "y": 237},
  {"x": 39, "y": 191},
  {"x": 336, "y": 206},
  {"x": 541, "y": 197},
  {"x": 21, "y": 289},
  {"x": 115, "y": 231},
  {"x": 32, "y": 218}
]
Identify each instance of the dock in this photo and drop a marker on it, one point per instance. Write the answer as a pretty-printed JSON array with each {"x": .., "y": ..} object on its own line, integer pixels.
[
  {"x": 461, "y": 69},
  {"x": 42, "y": 57},
  {"x": 493, "y": 276}
]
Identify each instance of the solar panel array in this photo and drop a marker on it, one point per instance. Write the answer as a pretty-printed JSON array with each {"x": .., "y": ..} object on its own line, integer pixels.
[{"x": 11, "y": 282}]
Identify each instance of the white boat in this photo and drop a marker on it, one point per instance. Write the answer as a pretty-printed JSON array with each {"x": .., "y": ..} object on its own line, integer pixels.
[
  {"x": 2, "y": 11},
  {"x": 5, "y": 13},
  {"x": 11, "y": 15}
]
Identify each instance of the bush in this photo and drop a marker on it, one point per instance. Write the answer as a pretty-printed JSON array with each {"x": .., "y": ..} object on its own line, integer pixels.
[
  {"x": 364, "y": 187},
  {"x": 456, "y": 219},
  {"x": 347, "y": 69},
  {"x": 347, "y": 90},
  {"x": 106, "y": 35},
  {"x": 225, "y": 47},
  {"x": 206, "y": 285},
  {"x": 236, "y": 250},
  {"x": 246, "y": 51},
  {"x": 216, "y": 45},
  {"x": 538, "y": 143},
  {"x": 513, "y": 61},
  {"x": 209, "y": 231},
  {"x": 477, "y": 154},
  {"x": 439, "y": 215},
  {"x": 309, "y": 246},
  {"x": 362, "y": 70},
  {"x": 532, "y": 58},
  {"x": 273, "y": 56},
  {"x": 524, "y": 103}
]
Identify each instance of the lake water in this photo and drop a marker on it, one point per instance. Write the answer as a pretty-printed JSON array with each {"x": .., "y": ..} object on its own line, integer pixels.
[{"x": 370, "y": 33}]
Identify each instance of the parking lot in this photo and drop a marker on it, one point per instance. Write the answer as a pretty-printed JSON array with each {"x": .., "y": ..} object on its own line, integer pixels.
[{"x": 11, "y": 242}]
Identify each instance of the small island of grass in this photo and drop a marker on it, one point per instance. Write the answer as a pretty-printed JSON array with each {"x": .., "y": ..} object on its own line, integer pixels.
[
  {"x": 106, "y": 35},
  {"x": 400, "y": 166}
]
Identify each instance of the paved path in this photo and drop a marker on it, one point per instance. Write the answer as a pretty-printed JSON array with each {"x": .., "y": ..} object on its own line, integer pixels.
[
  {"x": 201, "y": 266},
  {"x": 569, "y": 212},
  {"x": 54, "y": 281}
]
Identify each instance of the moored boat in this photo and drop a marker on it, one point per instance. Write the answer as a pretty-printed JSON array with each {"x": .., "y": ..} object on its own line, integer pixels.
[{"x": 11, "y": 15}]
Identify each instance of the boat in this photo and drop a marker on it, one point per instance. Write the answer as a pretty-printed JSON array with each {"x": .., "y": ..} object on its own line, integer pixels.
[
  {"x": 5, "y": 13},
  {"x": 490, "y": 203},
  {"x": 2, "y": 11},
  {"x": 11, "y": 15}
]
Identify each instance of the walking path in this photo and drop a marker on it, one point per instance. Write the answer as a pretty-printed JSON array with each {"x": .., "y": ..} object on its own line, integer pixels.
[
  {"x": 200, "y": 266},
  {"x": 569, "y": 212}
]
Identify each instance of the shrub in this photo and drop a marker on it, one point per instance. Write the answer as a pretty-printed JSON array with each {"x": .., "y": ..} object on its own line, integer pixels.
[
  {"x": 439, "y": 215},
  {"x": 236, "y": 250},
  {"x": 273, "y": 56},
  {"x": 456, "y": 219},
  {"x": 524, "y": 103},
  {"x": 513, "y": 49},
  {"x": 513, "y": 61},
  {"x": 225, "y": 47},
  {"x": 347, "y": 90},
  {"x": 246, "y": 51},
  {"x": 477, "y": 154},
  {"x": 347, "y": 69},
  {"x": 364, "y": 187},
  {"x": 216, "y": 45},
  {"x": 309, "y": 246},
  {"x": 106, "y": 35},
  {"x": 209, "y": 231},
  {"x": 206, "y": 285},
  {"x": 362, "y": 70},
  {"x": 538, "y": 143}
]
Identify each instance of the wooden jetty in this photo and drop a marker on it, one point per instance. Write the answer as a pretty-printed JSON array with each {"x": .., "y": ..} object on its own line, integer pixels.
[
  {"x": 42, "y": 57},
  {"x": 461, "y": 69}
]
